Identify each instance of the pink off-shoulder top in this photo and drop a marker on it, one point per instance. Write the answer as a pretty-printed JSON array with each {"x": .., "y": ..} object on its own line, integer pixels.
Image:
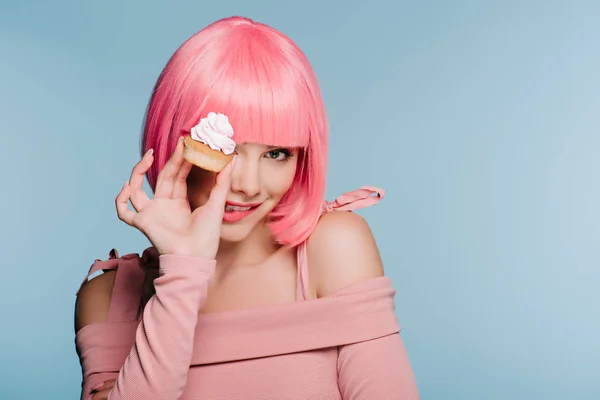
[{"x": 344, "y": 346}]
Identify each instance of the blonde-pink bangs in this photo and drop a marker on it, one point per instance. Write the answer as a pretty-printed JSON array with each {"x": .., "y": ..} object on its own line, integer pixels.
[{"x": 253, "y": 77}]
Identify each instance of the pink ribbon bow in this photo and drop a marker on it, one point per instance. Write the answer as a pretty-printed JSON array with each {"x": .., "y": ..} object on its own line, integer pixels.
[{"x": 364, "y": 197}]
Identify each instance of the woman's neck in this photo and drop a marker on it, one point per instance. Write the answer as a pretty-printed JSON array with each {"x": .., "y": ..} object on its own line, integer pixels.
[{"x": 257, "y": 247}]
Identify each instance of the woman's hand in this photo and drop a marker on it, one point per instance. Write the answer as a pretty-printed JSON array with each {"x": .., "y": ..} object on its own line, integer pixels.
[
  {"x": 101, "y": 392},
  {"x": 167, "y": 220}
]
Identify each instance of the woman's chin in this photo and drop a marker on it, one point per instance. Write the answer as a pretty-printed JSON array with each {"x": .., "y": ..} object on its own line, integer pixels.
[
  {"x": 235, "y": 232},
  {"x": 239, "y": 231}
]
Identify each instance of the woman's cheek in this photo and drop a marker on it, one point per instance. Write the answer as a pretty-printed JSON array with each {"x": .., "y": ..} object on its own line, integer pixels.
[{"x": 280, "y": 178}]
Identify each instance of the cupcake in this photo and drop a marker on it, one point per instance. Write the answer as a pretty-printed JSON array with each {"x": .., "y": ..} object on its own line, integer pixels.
[{"x": 210, "y": 145}]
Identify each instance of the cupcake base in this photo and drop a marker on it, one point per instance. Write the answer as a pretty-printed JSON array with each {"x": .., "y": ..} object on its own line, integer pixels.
[{"x": 201, "y": 155}]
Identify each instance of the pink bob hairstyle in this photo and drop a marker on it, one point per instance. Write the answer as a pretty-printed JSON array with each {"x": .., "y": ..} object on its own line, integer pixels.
[{"x": 263, "y": 82}]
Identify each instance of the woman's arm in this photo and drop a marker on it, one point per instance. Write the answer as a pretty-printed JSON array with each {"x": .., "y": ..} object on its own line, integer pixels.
[
  {"x": 91, "y": 307},
  {"x": 188, "y": 240},
  {"x": 376, "y": 369},
  {"x": 342, "y": 251},
  {"x": 158, "y": 364}
]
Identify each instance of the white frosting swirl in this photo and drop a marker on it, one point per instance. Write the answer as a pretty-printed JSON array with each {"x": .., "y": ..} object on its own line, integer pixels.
[{"x": 216, "y": 132}]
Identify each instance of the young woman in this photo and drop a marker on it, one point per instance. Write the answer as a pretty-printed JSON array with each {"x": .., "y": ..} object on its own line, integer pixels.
[{"x": 255, "y": 287}]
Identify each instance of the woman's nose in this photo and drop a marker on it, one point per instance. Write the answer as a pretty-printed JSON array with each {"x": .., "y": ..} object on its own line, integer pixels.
[{"x": 245, "y": 177}]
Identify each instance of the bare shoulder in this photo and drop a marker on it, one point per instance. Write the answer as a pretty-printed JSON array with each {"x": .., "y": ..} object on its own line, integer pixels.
[
  {"x": 341, "y": 251},
  {"x": 93, "y": 300}
]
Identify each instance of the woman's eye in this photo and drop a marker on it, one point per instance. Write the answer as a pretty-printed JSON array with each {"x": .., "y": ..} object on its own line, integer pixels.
[{"x": 278, "y": 155}]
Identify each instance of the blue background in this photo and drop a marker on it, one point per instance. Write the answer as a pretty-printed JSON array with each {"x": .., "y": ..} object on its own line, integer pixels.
[{"x": 483, "y": 119}]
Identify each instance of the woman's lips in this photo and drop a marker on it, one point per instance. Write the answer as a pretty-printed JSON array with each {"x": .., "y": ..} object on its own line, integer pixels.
[{"x": 235, "y": 212}]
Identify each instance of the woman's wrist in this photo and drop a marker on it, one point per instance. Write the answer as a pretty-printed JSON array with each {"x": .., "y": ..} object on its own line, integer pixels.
[{"x": 183, "y": 263}]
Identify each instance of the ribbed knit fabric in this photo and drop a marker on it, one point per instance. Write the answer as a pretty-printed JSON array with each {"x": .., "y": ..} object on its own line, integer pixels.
[{"x": 344, "y": 346}]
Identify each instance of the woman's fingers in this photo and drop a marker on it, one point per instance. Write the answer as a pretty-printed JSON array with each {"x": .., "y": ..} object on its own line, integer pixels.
[
  {"x": 122, "y": 204},
  {"x": 166, "y": 178},
  {"x": 139, "y": 199},
  {"x": 171, "y": 181},
  {"x": 218, "y": 195},
  {"x": 180, "y": 186}
]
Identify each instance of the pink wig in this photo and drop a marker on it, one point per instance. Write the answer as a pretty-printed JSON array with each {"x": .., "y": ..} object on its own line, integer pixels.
[{"x": 263, "y": 82}]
